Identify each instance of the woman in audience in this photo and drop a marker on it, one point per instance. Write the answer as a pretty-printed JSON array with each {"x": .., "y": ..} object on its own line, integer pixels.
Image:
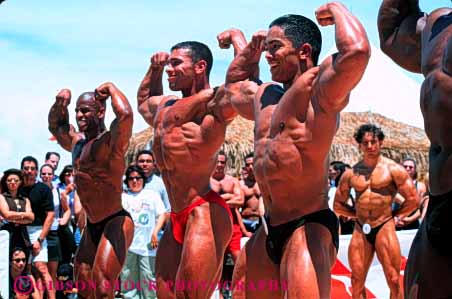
[
  {"x": 148, "y": 214},
  {"x": 15, "y": 210},
  {"x": 21, "y": 283}
]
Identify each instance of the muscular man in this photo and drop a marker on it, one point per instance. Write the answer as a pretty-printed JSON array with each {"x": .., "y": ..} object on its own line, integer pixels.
[
  {"x": 188, "y": 132},
  {"x": 376, "y": 180},
  {"x": 98, "y": 158},
  {"x": 229, "y": 189},
  {"x": 294, "y": 128},
  {"x": 422, "y": 43},
  {"x": 253, "y": 207}
]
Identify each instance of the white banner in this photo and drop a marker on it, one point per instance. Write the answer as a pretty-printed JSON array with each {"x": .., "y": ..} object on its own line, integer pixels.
[
  {"x": 4, "y": 264},
  {"x": 376, "y": 285}
]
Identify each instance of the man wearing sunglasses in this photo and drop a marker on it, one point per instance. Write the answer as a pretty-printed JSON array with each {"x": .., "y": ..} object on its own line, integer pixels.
[{"x": 98, "y": 160}]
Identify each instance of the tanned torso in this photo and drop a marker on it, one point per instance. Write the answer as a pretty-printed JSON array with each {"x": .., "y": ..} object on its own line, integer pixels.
[
  {"x": 99, "y": 186},
  {"x": 226, "y": 185},
  {"x": 436, "y": 106},
  {"x": 375, "y": 190},
  {"x": 185, "y": 152},
  {"x": 251, "y": 206},
  {"x": 291, "y": 153}
]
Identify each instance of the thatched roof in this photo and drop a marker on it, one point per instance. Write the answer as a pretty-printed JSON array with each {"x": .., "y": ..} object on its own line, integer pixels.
[{"x": 401, "y": 140}]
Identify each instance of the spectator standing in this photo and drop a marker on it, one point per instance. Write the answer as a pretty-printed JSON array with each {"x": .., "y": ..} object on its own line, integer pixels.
[{"x": 148, "y": 214}]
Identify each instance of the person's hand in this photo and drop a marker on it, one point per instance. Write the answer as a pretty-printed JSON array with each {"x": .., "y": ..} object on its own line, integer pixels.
[
  {"x": 226, "y": 37},
  {"x": 324, "y": 15},
  {"x": 399, "y": 222},
  {"x": 36, "y": 248},
  {"x": 69, "y": 188},
  {"x": 159, "y": 60},
  {"x": 103, "y": 91},
  {"x": 64, "y": 97},
  {"x": 258, "y": 40},
  {"x": 248, "y": 234},
  {"x": 154, "y": 241},
  {"x": 62, "y": 222}
]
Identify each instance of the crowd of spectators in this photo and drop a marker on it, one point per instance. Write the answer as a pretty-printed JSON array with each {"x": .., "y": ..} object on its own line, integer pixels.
[{"x": 44, "y": 217}]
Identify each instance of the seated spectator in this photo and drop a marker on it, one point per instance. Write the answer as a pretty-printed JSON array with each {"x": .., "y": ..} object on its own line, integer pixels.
[
  {"x": 149, "y": 215},
  {"x": 65, "y": 276},
  {"x": 15, "y": 210},
  {"x": 21, "y": 283}
]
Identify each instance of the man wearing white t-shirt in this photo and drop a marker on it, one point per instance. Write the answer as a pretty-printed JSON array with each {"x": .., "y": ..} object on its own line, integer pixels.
[{"x": 148, "y": 214}]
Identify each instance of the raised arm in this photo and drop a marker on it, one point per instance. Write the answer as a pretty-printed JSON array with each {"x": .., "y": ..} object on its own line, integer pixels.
[
  {"x": 342, "y": 193},
  {"x": 407, "y": 189},
  {"x": 341, "y": 72},
  {"x": 121, "y": 127},
  {"x": 151, "y": 88},
  {"x": 245, "y": 65},
  {"x": 399, "y": 27},
  {"x": 59, "y": 119}
]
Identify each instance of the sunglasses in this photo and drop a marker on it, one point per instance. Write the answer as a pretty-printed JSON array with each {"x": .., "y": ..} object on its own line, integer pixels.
[
  {"x": 132, "y": 178},
  {"x": 29, "y": 168},
  {"x": 46, "y": 174},
  {"x": 145, "y": 161},
  {"x": 68, "y": 174},
  {"x": 18, "y": 260},
  {"x": 13, "y": 180}
]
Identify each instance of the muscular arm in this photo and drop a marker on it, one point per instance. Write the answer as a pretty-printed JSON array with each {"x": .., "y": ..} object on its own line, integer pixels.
[
  {"x": 340, "y": 72},
  {"x": 121, "y": 127},
  {"x": 151, "y": 88},
  {"x": 59, "y": 119},
  {"x": 342, "y": 193},
  {"x": 189, "y": 108},
  {"x": 236, "y": 199},
  {"x": 447, "y": 58},
  {"x": 399, "y": 38},
  {"x": 407, "y": 189}
]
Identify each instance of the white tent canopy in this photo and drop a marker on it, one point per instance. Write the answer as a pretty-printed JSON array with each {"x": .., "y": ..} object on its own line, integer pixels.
[{"x": 386, "y": 89}]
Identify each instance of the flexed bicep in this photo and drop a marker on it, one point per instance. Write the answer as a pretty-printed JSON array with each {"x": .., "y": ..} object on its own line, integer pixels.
[{"x": 341, "y": 72}]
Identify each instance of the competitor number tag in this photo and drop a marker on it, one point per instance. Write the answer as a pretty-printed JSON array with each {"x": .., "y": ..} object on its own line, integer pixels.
[{"x": 366, "y": 228}]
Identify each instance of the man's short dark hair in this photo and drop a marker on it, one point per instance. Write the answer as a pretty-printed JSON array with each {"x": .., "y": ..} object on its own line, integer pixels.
[
  {"x": 29, "y": 159},
  {"x": 368, "y": 128},
  {"x": 222, "y": 153},
  {"x": 145, "y": 152},
  {"x": 249, "y": 155},
  {"x": 198, "y": 51},
  {"x": 49, "y": 154},
  {"x": 300, "y": 30}
]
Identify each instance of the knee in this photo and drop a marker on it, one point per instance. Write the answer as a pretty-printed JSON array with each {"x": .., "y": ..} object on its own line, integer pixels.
[{"x": 393, "y": 281}]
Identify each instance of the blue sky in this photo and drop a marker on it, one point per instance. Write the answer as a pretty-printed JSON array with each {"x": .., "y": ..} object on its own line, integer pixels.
[{"x": 49, "y": 45}]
